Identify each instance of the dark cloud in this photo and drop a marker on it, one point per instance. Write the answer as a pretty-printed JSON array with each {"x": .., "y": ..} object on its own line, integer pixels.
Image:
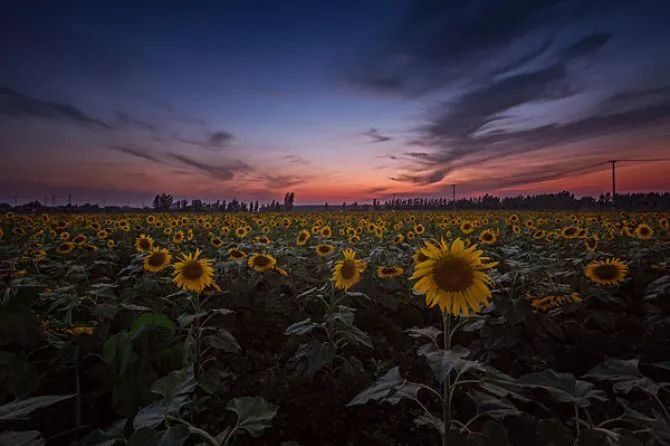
[
  {"x": 128, "y": 120},
  {"x": 18, "y": 105},
  {"x": 375, "y": 136},
  {"x": 215, "y": 140},
  {"x": 281, "y": 181},
  {"x": 433, "y": 167},
  {"x": 375, "y": 190},
  {"x": 134, "y": 151},
  {"x": 223, "y": 172},
  {"x": 220, "y": 139},
  {"x": 439, "y": 42},
  {"x": 585, "y": 45}
]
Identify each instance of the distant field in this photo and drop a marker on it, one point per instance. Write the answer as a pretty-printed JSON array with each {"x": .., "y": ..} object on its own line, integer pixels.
[{"x": 343, "y": 328}]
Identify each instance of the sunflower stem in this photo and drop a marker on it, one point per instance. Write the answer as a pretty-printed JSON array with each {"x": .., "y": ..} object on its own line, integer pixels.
[{"x": 446, "y": 409}]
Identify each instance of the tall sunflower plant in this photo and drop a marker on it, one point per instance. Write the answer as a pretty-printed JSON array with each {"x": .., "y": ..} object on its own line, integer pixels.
[{"x": 453, "y": 278}]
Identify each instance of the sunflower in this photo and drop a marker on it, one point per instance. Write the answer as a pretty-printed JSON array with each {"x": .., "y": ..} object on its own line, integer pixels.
[
  {"x": 467, "y": 227},
  {"x": 178, "y": 237},
  {"x": 302, "y": 238},
  {"x": 611, "y": 271},
  {"x": 453, "y": 278},
  {"x": 326, "y": 232},
  {"x": 644, "y": 231},
  {"x": 591, "y": 243},
  {"x": 157, "y": 260},
  {"x": 143, "y": 243},
  {"x": 539, "y": 234},
  {"x": 664, "y": 223},
  {"x": 546, "y": 303},
  {"x": 65, "y": 248},
  {"x": 241, "y": 232},
  {"x": 570, "y": 232},
  {"x": 263, "y": 240},
  {"x": 385, "y": 272},
  {"x": 62, "y": 235},
  {"x": 110, "y": 243},
  {"x": 79, "y": 239},
  {"x": 192, "y": 273},
  {"x": 419, "y": 229},
  {"x": 419, "y": 257},
  {"x": 347, "y": 272},
  {"x": 262, "y": 262},
  {"x": 399, "y": 238},
  {"x": 324, "y": 249},
  {"x": 216, "y": 242},
  {"x": 236, "y": 254},
  {"x": 488, "y": 237}
]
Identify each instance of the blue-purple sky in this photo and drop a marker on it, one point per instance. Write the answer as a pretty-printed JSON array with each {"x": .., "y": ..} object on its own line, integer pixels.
[{"x": 337, "y": 101}]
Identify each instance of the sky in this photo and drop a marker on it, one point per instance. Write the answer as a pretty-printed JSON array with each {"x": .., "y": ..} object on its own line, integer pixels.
[{"x": 114, "y": 102}]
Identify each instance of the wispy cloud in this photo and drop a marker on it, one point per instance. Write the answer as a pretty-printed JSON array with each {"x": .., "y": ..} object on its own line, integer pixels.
[
  {"x": 135, "y": 151},
  {"x": 19, "y": 105},
  {"x": 374, "y": 136},
  {"x": 218, "y": 171}
]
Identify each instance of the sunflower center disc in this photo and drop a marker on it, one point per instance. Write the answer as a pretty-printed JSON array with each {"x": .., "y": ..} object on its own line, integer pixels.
[{"x": 453, "y": 274}]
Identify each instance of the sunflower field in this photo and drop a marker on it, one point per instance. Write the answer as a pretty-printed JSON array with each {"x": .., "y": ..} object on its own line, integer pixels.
[{"x": 340, "y": 328}]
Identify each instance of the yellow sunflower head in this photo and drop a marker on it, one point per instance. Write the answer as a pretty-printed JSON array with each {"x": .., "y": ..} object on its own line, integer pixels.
[
  {"x": 399, "y": 238},
  {"x": 65, "y": 248},
  {"x": 324, "y": 249},
  {"x": 610, "y": 271},
  {"x": 157, "y": 260},
  {"x": 302, "y": 238},
  {"x": 192, "y": 273},
  {"x": 385, "y": 272},
  {"x": 347, "y": 272},
  {"x": 453, "y": 277},
  {"x": 644, "y": 231},
  {"x": 144, "y": 243},
  {"x": 488, "y": 237},
  {"x": 237, "y": 254},
  {"x": 262, "y": 262}
]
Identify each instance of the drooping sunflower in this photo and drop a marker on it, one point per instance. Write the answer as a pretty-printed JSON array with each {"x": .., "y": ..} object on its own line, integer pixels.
[
  {"x": 644, "y": 231},
  {"x": 192, "y": 273},
  {"x": 262, "y": 262},
  {"x": 302, "y": 238},
  {"x": 144, "y": 243},
  {"x": 591, "y": 243},
  {"x": 385, "y": 272},
  {"x": 324, "y": 249},
  {"x": 65, "y": 248},
  {"x": 488, "y": 237},
  {"x": 610, "y": 271},
  {"x": 453, "y": 277},
  {"x": 237, "y": 254},
  {"x": 347, "y": 272},
  {"x": 157, "y": 260}
]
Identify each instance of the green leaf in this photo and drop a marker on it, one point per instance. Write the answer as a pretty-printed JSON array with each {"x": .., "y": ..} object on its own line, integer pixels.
[
  {"x": 494, "y": 407},
  {"x": 315, "y": 355},
  {"x": 254, "y": 414},
  {"x": 158, "y": 320},
  {"x": 624, "y": 374},
  {"x": 222, "y": 340},
  {"x": 564, "y": 387},
  {"x": 443, "y": 362},
  {"x": 380, "y": 389},
  {"x": 22, "y": 438},
  {"x": 301, "y": 328},
  {"x": 431, "y": 421},
  {"x": 429, "y": 332},
  {"x": 176, "y": 383},
  {"x": 354, "y": 335},
  {"x": 20, "y": 409}
]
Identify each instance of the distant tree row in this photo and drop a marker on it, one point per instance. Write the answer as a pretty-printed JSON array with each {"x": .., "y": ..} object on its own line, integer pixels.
[{"x": 556, "y": 201}]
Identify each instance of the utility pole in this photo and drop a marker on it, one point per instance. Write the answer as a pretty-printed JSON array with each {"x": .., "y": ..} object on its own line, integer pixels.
[
  {"x": 613, "y": 162},
  {"x": 69, "y": 199},
  {"x": 53, "y": 201}
]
